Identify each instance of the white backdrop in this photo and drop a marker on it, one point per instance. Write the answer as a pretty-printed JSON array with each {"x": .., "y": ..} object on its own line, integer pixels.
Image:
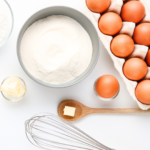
[{"x": 122, "y": 132}]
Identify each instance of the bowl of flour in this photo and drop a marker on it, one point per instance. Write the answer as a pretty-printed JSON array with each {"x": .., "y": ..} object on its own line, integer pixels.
[
  {"x": 58, "y": 47},
  {"x": 6, "y": 22}
]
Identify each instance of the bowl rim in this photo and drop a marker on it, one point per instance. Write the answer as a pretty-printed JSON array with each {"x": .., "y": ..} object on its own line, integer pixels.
[
  {"x": 12, "y": 23},
  {"x": 57, "y": 85}
]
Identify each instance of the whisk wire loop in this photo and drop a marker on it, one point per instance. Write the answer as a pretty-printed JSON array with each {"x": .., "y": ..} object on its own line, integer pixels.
[{"x": 50, "y": 132}]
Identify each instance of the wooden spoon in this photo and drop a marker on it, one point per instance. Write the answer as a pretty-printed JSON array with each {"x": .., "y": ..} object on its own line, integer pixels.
[{"x": 82, "y": 110}]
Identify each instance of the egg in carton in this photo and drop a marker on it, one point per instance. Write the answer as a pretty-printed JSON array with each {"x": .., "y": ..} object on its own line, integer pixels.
[{"x": 140, "y": 51}]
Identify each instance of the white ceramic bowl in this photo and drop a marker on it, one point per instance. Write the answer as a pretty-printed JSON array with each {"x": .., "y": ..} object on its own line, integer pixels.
[{"x": 9, "y": 13}]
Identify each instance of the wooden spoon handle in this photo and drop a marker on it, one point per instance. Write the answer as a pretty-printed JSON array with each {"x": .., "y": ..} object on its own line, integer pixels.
[{"x": 116, "y": 110}]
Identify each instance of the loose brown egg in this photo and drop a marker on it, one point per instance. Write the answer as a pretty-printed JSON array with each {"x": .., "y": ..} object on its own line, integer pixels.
[
  {"x": 133, "y": 11},
  {"x": 135, "y": 69},
  {"x": 110, "y": 23},
  {"x": 122, "y": 45},
  {"x": 107, "y": 86},
  {"x": 98, "y": 6},
  {"x": 142, "y": 34},
  {"x": 142, "y": 92},
  {"x": 148, "y": 58}
]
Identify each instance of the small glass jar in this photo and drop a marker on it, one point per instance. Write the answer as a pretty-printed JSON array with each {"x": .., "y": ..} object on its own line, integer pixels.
[
  {"x": 10, "y": 97},
  {"x": 104, "y": 99}
]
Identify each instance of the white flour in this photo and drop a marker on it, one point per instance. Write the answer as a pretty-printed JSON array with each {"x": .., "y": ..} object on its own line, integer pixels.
[
  {"x": 56, "y": 49},
  {"x": 4, "y": 21}
]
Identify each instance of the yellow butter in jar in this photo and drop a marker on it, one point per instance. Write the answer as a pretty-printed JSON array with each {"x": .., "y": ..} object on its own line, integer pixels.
[{"x": 13, "y": 88}]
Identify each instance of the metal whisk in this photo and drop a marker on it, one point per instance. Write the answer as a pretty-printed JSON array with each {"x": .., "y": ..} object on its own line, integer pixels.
[{"x": 50, "y": 132}]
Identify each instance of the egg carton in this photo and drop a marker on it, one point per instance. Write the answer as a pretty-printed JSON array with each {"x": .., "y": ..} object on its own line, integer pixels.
[{"x": 139, "y": 51}]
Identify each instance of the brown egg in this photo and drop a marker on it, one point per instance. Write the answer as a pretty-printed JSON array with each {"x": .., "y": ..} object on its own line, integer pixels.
[
  {"x": 110, "y": 23},
  {"x": 107, "y": 86},
  {"x": 133, "y": 11},
  {"x": 148, "y": 58},
  {"x": 98, "y": 6},
  {"x": 135, "y": 69},
  {"x": 122, "y": 45},
  {"x": 142, "y": 92},
  {"x": 142, "y": 34}
]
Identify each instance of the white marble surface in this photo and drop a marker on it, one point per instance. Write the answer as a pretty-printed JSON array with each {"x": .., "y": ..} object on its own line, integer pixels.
[{"x": 121, "y": 132}]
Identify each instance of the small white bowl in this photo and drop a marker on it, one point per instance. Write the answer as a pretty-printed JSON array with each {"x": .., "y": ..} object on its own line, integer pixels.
[{"x": 4, "y": 4}]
